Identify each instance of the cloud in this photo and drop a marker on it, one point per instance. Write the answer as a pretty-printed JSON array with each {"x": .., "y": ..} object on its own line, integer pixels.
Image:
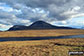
[
  {"x": 4, "y": 27},
  {"x": 55, "y": 7},
  {"x": 28, "y": 11},
  {"x": 6, "y": 15}
]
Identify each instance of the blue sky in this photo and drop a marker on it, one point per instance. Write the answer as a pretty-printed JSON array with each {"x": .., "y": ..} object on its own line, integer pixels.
[{"x": 61, "y": 13}]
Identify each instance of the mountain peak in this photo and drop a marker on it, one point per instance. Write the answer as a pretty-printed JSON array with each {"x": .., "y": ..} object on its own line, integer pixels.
[
  {"x": 39, "y": 22},
  {"x": 37, "y": 25},
  {"x": 18, "y": 27},
  {"x": 40, "y": 25}
]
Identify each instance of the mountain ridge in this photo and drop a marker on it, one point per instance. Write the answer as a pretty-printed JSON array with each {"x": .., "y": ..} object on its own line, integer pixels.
[{"x": 37, "y": 25}]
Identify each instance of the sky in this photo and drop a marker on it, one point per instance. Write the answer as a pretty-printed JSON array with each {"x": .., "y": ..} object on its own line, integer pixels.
[{"x": 56, "y": 12}]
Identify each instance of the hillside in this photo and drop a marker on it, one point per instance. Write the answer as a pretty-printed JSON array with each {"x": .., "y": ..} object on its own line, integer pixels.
[{"x": 37, "y": 25}]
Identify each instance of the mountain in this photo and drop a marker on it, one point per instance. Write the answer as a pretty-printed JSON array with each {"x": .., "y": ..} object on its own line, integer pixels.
[
  {"x": 41, "y": 25},
  {"x": 37, "y": 25},
  {"x": 18, "y": 27}
]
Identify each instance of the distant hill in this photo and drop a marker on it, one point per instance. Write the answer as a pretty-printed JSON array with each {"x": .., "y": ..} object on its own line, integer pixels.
[
  {"x": 37, "y": 25},
  {"x": 18, "y": 27}
]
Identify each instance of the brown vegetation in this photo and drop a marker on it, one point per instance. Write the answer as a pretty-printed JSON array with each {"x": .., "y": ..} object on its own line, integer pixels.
[
  {"x": 41, "y": 47},
  {"x": 41, "y": 33},
  {"x": 53, "y": 47}
]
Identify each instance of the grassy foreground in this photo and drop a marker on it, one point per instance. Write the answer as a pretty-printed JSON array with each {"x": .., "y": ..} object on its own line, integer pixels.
[
  {"x": 54, "y": 47},
  {"x": 41, "y": 33}
]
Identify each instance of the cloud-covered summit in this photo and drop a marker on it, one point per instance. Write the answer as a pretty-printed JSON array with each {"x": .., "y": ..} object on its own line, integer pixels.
[{"x": 14, "y": 11}]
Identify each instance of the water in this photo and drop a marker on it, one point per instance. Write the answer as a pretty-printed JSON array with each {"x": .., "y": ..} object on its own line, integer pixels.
[{"x": 38, "y": 38}]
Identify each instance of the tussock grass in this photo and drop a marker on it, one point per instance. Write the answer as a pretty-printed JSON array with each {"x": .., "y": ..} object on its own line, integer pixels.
[
  {"x": 53, "y": 47},
  {"x": 40, "y": 47}
]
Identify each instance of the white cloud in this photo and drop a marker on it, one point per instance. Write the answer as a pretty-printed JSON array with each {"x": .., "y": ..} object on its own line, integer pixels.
[
  {"x": 55, "y": 7},
  {"x": 5, "y": 27},
  {"x": 25, "y": 21},
  {"x": 76, "y": 8},
  {"x": 77, "y": 15},
  {"x": 27, "y": 11}
]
